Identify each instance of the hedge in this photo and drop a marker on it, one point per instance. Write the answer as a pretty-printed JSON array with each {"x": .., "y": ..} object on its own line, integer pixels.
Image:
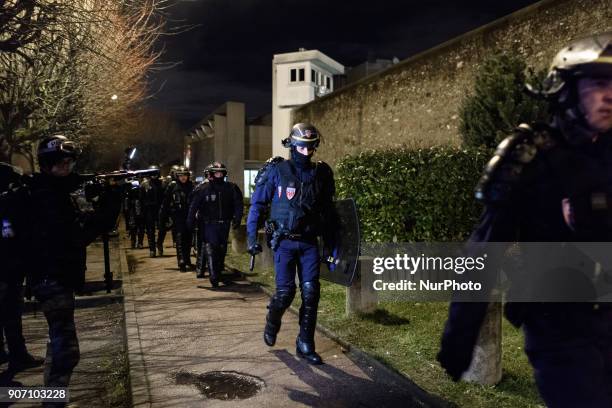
[{"x": 413, "y": 195}]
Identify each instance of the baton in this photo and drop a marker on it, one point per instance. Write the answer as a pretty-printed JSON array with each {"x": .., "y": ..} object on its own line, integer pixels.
[{"x": 252, "y": 263}]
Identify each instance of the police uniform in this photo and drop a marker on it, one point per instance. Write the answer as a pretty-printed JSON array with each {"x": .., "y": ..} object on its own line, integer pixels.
[
  {"x": 198, "y": 230},
  {"x": 59, "y": 237},
  {"x": 569, "y": 345},
  {"x": 300, "y": 193},
  {"x": 12, "y": 244},
  {"x": 151, "y": 196},
  {"x": 163, "y": 220},
  {"x": 176, "y": 205},
  {"x": 218, "y": 205},
  {"x": 135, "y": 215}
]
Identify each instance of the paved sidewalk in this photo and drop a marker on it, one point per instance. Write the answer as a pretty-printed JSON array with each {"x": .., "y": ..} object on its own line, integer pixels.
[{"x": 177, "y": 324}]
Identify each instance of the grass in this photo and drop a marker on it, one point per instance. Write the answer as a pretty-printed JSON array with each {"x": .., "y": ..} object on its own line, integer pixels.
[
  {"x": 406, "y": 337},
  {"x": 117, "y": 380}
]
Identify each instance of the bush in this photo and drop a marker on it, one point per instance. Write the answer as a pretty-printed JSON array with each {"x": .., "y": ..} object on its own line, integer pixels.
[
  {"x": 499, "y": 102},
  {"x": 413, "y": 195}
]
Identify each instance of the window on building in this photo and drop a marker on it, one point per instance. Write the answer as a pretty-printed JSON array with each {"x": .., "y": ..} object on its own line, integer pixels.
[
  {"x": 293, "y": 75},
  {"x": 328, "y": 83},
  {"x": 313, "y": 75},
  {"x": 249, "y": 182},
  {"x": 302, "y": 73}
]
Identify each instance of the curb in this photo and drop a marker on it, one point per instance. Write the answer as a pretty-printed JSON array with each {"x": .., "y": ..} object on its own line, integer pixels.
[
  {"x": 140, "y": 389},
  {"x": 422, "y": 397}
]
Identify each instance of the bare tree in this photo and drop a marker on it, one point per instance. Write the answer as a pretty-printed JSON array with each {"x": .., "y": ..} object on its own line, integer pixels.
[{"x": 80, "y": 68}]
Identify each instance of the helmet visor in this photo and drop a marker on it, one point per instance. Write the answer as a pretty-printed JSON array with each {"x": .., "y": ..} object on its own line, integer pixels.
[{"x": 65, "y": 147}]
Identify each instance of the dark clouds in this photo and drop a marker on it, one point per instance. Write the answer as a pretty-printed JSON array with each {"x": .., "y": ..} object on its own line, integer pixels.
[{"x": 229, "y": 55}]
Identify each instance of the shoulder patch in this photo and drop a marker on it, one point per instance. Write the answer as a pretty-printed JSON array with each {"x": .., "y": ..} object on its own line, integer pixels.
[{"x": 264, "y": 172}]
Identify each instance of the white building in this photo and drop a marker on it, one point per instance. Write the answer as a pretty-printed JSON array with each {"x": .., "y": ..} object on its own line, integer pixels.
[{"x": 298, "y": 78}]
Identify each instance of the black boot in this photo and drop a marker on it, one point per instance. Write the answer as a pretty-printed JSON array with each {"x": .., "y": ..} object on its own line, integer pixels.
[
  {"x": 209, "y": 253},
  {"x": 278, "y": 304},
  {"x": 180, "y": 253},
  {"x": 305, "y": 345},
  {"x": 200, "y": 263},
  {"x": 23, "y": 362},
  {"x": 306, "y": 350},
  {"x": 152, "y": 254}
]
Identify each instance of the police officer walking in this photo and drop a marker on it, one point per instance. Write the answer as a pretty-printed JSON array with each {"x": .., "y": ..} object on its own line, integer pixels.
[
  {"x": 556, "y": 172},
  {"x": 135, "y": 215},
  {"x": 176, "y": 205},
  {"x": 12, "y": 243},
  {"x": 198, "y": 230},
  {"x": 151, "y": 196},
  {"x": 164, "y": 220},
  {"x": 300, "y": 192},
  {"x": 217, "y": 205},
  {"x": 58, "y": 240}
]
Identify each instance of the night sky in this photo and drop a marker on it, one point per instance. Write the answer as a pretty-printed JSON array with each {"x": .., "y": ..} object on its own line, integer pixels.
[{"x": 228, "y": 56}]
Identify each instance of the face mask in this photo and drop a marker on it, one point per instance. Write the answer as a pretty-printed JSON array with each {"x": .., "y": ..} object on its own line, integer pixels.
[{"x": 300, "y": 160}]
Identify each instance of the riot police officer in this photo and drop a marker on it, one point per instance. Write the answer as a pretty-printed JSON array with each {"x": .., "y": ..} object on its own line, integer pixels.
[
  {"x": 135, "y": 214},
  {"x": 164, "y": 221},
  {"x": 151, "y": 195},
  {"x": 217, "y": 206},
  {"x": 12, "y": 244},
  {"x": 198, "y": 230},
  {"x": 58, "y": 240},
  {"x": 541, "y": 188},
  {"x": 176, "y": 205},
  {"x": 300, "y": 192}
]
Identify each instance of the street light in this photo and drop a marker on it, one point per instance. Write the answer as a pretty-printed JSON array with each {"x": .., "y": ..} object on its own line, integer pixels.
[{"x": 114, "y": 97}]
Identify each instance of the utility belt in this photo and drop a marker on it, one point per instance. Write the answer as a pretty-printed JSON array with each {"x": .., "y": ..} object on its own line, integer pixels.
[
  {"x": 216, "y": 221},
  {"x": 274, "y": 235}
]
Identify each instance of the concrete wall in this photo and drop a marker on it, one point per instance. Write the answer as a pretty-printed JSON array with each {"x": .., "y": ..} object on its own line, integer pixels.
[
  {"x": 234, "y": 142},
  {"x": 416, "y": 102},
  {"x": 201, "y": 154},
  {"x": 259, "y": 143}
]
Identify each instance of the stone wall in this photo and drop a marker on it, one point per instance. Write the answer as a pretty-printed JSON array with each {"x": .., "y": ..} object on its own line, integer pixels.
[{"x": 416, "y": 103}]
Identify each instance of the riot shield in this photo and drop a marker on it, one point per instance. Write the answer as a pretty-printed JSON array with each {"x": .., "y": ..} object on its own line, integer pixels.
[{"x": 347, "y": 240}]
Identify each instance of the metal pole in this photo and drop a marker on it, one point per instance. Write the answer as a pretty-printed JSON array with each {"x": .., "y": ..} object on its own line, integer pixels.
[{"x": 108, "y": 275}]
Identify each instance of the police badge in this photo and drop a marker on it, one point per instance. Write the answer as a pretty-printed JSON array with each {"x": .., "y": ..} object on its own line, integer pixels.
[{"x": 290, "y": 193}]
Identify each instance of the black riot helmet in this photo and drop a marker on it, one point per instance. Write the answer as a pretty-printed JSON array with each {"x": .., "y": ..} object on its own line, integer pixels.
[
  {"x": 217, "y": 167},
  {"x": 589, "y": 57},
  {"x": 303, "y": 135},
  {"x": 52, "y": 149},
  {"x": 207, "y": 174},
  {"x": 154, "y": 167},
  {"x": 182, "y": 171},
  {"x": 173, "y": 171}
]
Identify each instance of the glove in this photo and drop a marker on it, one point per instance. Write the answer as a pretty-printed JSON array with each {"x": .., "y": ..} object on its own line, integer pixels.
[
  {"x": 332, "y": 260},
  {"x": 255, "y": 249}
]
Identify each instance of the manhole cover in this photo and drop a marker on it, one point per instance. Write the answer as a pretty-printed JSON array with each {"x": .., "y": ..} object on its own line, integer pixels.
[{"x": 223, "y": 385}]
